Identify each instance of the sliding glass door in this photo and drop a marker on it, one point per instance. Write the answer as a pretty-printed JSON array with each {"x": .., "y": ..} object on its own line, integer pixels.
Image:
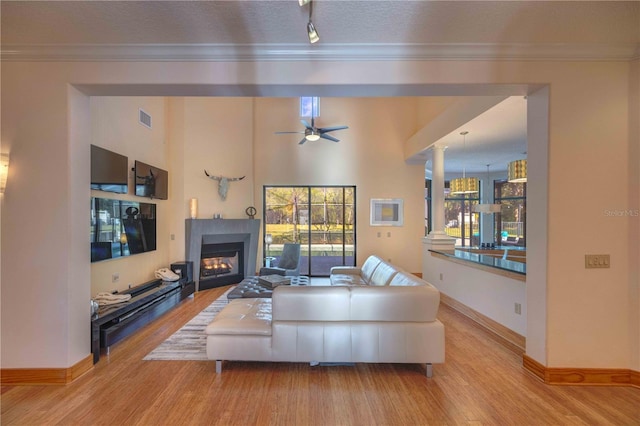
[{"x": 320, "y": 218}]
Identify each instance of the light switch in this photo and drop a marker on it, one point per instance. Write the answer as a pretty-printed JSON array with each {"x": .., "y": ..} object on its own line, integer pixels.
[{"x": 596, "y": 261}]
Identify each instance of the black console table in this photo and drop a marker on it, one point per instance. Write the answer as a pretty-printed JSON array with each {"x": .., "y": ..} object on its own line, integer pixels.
[{"x": 148, "y": 301}]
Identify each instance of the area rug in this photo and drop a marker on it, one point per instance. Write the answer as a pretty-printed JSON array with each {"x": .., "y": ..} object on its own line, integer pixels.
[{"x": 189, "y": 343}]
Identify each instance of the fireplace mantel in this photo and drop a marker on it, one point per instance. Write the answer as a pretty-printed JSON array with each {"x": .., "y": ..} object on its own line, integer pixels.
[{"x": 212, "y": 231}]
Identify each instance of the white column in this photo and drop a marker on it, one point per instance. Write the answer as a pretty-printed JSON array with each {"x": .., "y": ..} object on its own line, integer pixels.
[{"x": 437, "y": 234}]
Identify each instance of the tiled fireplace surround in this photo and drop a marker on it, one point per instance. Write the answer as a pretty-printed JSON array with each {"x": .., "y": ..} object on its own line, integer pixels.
[{"x": 217, "y": 231}]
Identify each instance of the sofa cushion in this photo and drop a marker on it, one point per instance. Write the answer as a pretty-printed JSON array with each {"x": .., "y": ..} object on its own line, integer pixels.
[
  {"x": 395, "y": 303},
  {"x": 383, "y": 274},
  {"x": 406, "y": 279},
  {"x": 346, "y": 279},
  {"x": 244, "y": 317},
  {"x": 311, "y": 303},
  {"x": 369, "y": 266}
]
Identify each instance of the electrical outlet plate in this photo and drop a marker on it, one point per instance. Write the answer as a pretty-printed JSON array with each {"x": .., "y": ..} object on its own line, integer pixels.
[
  {"x": 518, "y": 309},
  {"x": 596, "y": 261}
]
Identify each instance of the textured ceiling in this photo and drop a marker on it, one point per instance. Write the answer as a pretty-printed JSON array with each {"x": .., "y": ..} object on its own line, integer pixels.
[{"x": 250, "y": 22}]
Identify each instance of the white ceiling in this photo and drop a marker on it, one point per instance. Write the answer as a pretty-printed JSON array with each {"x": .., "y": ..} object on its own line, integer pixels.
[
  {"x": 349, "y": 30},
  {"x": 495, "y": 137},
  {"x": 338, "y": 22}
]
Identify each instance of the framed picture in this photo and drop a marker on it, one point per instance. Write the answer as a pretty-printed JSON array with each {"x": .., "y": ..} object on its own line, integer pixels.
[{"x": 386, "y": 212}]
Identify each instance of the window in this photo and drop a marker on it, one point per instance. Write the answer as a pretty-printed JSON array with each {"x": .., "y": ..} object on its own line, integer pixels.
[
  {"x": 309, "y": 106},
  {"x": 320, "y": 218},
  {"x": 511, "y": 223},
  {"x": 460, "y": 222}
]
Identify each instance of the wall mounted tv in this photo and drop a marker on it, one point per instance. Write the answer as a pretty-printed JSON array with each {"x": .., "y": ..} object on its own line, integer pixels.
[
  {"x": 109, "y": 170},
  {"x": 121, "y": 228},
  {"x": 151, "y": 181}
]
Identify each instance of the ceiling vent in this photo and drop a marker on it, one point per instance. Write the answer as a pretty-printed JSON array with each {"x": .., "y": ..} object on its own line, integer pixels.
[{"x": 145, "y": 119}]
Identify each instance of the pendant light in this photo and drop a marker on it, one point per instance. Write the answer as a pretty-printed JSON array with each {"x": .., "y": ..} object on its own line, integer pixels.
[
  {"x": 463, "y": 185},
  {"x": 517, "y": 171},
  {"x": 486, "y": 207}
]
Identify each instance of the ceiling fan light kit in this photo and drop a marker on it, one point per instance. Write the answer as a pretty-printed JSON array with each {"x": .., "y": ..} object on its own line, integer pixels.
[{"x": 313, "y": 133}]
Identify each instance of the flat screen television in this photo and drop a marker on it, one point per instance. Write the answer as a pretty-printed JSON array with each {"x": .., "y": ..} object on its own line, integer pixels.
[
  {"x": 151, "y": 181},
  {"x": 109, "y": 171},
  {"x": 121, "y": 228}
]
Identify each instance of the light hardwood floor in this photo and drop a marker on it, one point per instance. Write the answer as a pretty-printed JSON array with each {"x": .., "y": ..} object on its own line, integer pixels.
[{"x": 481, "y": 383}]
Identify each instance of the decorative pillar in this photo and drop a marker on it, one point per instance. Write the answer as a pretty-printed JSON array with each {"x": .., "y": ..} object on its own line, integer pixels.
[
  {"x": 437, "y": 240},
  {"x": 437, "y": 236}
]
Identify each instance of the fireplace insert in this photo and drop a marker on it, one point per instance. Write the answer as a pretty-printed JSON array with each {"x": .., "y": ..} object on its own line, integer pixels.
[{"x": 221, "y": 264}]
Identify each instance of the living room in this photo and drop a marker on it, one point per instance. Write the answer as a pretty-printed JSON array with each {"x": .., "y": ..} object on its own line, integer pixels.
[{"x": 589, "y": 104}]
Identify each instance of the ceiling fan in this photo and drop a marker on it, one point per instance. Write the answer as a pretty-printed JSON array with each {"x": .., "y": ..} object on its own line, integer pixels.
[{"x": 313, "y": 133}]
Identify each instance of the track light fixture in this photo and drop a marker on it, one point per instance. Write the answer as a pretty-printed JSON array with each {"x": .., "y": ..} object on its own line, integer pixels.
[
  {"x": 313, "y": 34},
  {"x": 311, "y": 29}
]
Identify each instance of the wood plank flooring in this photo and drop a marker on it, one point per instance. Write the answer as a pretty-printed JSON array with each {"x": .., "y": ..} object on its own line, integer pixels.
[{"x": 481, "y": 383}]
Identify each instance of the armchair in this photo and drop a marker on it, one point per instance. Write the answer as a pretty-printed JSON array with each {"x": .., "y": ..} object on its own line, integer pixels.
[{"x": 289, "y": 263}]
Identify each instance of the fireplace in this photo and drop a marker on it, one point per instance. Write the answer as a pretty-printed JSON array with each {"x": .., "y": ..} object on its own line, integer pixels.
[
  {"x": 231, "y": 244},
  {"x": 221, "y": 264}
]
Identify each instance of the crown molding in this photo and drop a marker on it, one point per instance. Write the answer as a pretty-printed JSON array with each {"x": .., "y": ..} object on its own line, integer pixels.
[{"x": 323, "y": 52}]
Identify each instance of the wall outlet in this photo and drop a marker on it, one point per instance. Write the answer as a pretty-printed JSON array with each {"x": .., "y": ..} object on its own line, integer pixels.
[
  {"x": 115, "y": 277},
  {"x": 173, "y": 237},
  {"x": 596, "y": 261},
  {"x": 379, "y": 234},
  {"x": 440, "y": 277},
  {"x": 518, "y": 309},
  {"x": 389, "y": 234}
]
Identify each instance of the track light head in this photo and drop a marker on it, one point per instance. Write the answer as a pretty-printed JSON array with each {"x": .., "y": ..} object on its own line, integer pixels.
[
  {"x": 313, "y": 33},
  {"x": 303, "y": 2}
]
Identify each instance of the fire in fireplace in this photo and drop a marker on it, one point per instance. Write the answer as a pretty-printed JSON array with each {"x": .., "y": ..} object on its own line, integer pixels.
[
  {"x": 215, "y": 266},
  {"x": 221, "y": 264}
]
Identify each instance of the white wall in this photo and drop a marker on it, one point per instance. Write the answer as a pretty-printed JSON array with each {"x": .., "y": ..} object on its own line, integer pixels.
[
  {"x": 587, "y": 311},
  {"x": 369, "y": 156},
  {"x": 115, "y": 126}
]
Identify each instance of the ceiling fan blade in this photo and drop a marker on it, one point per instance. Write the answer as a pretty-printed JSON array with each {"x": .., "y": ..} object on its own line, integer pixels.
[
  {"x": 302, "y": 141},
  {"x": 329, "y": 137},
  {"x": 306, "y": 124},
  {"x": 282, "y": 133},
  {"x": 331, "y": 129}
]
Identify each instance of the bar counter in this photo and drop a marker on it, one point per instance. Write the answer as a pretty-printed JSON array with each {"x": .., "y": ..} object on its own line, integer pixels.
[{"x": 499, "y": 259}]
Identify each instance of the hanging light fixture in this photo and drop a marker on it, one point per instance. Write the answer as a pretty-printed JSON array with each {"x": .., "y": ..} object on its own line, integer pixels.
[
  {"x": 487, "y": 208},
  {"x": 314, "y": 37},
  {"x": 463, "y": 185},
  {"x": 517, "y": 171}
]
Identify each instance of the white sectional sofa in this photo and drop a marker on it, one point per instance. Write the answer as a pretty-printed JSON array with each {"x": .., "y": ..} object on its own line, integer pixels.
[
  {"x": 394, "y": 323},
  {"x": 374, "y": 271}
]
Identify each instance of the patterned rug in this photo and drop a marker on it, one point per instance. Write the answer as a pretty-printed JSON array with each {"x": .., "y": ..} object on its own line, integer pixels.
[{"x": 189, "y": 343}]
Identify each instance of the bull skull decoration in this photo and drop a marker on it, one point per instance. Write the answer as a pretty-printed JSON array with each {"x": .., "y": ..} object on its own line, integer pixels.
[{"x": 223, "y": 183}]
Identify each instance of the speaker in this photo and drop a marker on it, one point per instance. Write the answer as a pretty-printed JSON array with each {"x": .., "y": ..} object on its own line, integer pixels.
[{"x": 184, "y": 269}]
